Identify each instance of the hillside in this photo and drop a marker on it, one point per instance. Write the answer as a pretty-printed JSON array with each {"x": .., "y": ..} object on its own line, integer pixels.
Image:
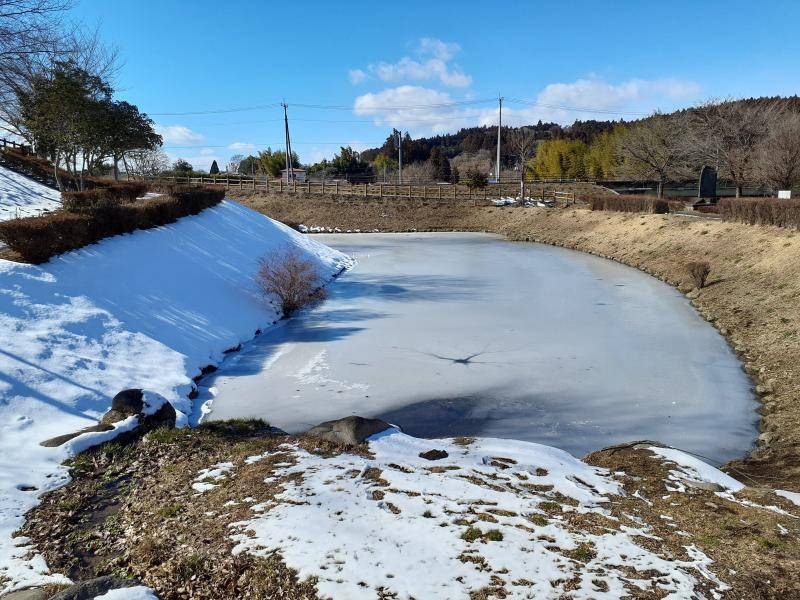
[
  {"x": 21, "y": 196},
  {"x": 146, "y": 310}
]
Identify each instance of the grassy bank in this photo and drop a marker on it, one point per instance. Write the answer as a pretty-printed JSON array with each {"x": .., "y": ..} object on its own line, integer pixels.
[{"x": 753, "y": 296}]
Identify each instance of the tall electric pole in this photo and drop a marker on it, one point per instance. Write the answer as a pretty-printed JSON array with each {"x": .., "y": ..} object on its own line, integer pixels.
[
  {"x": 399, "y": 138},
  {"x": 499, "y": 126},
  {"x": 289, "y": 166}
]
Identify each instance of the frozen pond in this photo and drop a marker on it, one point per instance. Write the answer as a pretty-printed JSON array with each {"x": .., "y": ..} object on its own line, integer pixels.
[{"x": 466, "y": 334}]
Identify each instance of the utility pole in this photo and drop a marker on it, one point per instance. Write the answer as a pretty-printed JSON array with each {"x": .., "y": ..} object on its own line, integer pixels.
[
  {"x": 289, "y": 166},
  {"x": 499, "y": 126},
  {"x": 399, "y": 138}
]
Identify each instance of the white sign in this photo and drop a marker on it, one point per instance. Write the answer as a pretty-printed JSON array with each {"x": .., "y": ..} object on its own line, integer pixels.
[{"x": 784, "y": 194}]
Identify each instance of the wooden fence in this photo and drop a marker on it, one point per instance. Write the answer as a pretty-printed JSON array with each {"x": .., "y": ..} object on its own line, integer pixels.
[
  {"x": 492, "y": 191},
  {"x": 12, "y": 144}
]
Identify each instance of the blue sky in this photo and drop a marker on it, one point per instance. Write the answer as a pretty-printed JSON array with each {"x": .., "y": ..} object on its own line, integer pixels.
[{"x": 368, "y": 66}]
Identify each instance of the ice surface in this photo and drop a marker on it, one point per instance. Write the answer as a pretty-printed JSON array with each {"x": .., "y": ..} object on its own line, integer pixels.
[{"x": 466, "y": 334}]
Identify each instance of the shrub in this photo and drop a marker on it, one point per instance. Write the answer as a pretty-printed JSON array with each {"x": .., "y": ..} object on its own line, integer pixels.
[
  {"x": 698, "y": 272},
  {"x": 290, "y": 278},
  {"x": 36, "y": 239},
  {"x": 630, "y": 203},
  {"x": 475, "y": 178},
  {"x": 761, "y": 211}
]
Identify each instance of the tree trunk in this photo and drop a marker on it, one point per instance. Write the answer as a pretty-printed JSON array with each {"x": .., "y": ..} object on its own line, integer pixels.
[
  {"x": 738, "y": 191},
  {"x": 55, "y": 172},
  {"x": 116, "y": 168},
  {"x": 660, "y": 189}
]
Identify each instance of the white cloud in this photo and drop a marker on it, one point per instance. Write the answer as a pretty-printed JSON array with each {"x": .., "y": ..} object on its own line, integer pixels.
[
  {"x": 596, "y": 93},
  {"x": 241, "y": 147},
  {"x": 431, "y": 64},
  {"x": 424, "y": 113},
  {"x": 437, "y": 48},
  {"x": 356, "y": 76},
  {"x": 178, "y": 134},
  {"x": 554, "y": 103}
]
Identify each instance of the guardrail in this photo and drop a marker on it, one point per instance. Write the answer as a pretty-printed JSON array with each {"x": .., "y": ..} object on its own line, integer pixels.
[{"x": 492, "y": 191}]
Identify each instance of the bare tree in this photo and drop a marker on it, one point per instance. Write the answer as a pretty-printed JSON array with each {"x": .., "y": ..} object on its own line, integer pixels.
[
  {"x": 146, "y": 163},
  {"x": 778, "y": 161},
  {"x": 522, "y": 143},
  {"x": 728, "y": 135},
  {"x": 655, "y": 148}
]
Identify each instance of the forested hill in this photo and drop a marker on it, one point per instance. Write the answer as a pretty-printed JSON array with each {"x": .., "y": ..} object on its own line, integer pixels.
[{"x": 473, "y": 139}]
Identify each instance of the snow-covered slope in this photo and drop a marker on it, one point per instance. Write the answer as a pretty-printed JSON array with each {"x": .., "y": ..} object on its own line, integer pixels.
[
  {"x": 21, "y": 196},
  {"x": 146, "y": 310}
]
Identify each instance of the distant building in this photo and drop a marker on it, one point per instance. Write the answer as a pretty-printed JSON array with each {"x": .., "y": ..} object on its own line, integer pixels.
[{"x": 298, "y": 175}]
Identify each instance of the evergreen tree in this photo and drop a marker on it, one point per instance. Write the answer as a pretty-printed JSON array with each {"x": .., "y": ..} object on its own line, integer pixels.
[{"x": 214, "y": 170}]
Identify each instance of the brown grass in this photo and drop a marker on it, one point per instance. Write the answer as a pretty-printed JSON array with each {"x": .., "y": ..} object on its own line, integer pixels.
[{"x": 642, "y": 204}]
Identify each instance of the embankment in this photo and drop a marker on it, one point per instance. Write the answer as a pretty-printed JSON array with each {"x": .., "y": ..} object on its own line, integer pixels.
[{"x": 753, "y": 296}]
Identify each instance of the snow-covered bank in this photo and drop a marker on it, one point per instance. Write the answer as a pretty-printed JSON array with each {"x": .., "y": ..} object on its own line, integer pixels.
[
  {"x": 21, "y": 196},
  {"x": 520, "y": 518},
  {"x": 145, "y": 310}
]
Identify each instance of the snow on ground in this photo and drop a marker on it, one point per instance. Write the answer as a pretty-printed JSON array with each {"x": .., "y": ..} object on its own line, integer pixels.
[
  {"x": 494, "y": 513},
  {"x": 148, "y": 310},
  {"x": 21, "y": 196},
  {"x": 139, "y": 592}
]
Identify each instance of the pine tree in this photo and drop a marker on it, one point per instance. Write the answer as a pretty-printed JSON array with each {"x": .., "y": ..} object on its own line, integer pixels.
[{"x": 214, "y": 170}]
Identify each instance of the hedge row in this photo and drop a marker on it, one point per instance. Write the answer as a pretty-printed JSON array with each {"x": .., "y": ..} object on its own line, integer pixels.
[
  {"x": 89, "y": 200},
  {"x": 761, "y": 211},
  {"x": 36, "y": 239},
  {"x": 636, "y": 204}
]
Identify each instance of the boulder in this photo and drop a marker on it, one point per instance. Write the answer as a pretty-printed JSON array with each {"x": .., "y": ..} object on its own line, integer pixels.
[
  {"x": 91, "y": 588},
  {"x": 350, "y": 430},
  {"x": 434, "y": 454},
  {"x": 123, "y": 405},
  {"x": 27, "y": 594}
]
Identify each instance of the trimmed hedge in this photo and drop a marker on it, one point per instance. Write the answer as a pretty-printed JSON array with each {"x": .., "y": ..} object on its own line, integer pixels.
[
  {"x": 89, "y": 200},
  {"x": 635, "y": 204},
  {"x": 36, "y": 239},
  {"x": 761, "y": 211}
]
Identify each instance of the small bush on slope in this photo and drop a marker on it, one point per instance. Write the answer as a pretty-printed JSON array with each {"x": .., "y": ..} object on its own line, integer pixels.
[
  {"x": 286, "y": 275},
  {"x": 698, "y": 272}
]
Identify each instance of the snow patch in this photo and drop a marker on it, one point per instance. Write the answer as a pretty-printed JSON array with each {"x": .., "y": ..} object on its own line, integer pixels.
[
  {"x": 492, "y": 511},
  {"x": 21, "y": 196}
]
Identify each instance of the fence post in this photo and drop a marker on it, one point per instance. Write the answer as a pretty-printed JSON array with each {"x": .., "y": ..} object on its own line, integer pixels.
[
  {"x": 281, "y": 185},
  {"x": 337, "y": 187},
  {"x": 366, "y": 189},
  {"x": 409, "y": 191},
  {"x": 380, "y": 190},
  {"x": 439, "y": 192}
]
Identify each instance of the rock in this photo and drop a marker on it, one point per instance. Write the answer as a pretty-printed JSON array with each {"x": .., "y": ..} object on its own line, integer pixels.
[
  {"x": 350, "y": 430},
  {"x": 63, "y": 439},
  {"x": 123, "y": 405},
  {"x": 163, "y": 417},
  {"x": 27, "y": 594},
  {"x": 433, "y": 455},
  {"x": 703, "y": 485},
  {"x": 89, "y": 589}
]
